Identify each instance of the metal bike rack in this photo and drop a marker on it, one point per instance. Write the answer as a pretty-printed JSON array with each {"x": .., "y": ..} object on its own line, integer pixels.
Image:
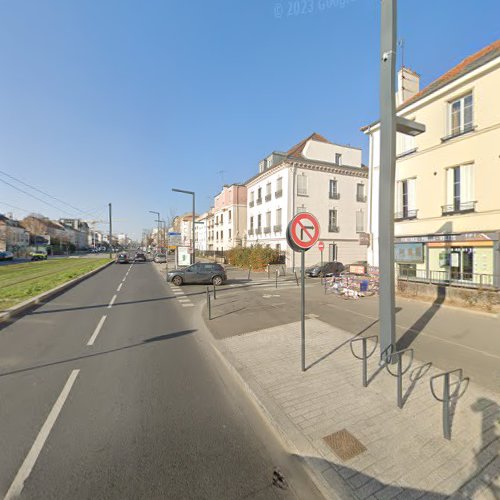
[
  {"x": 447, "y": 397},
  {"x": 387, "y": 358},
  {"x": 364, "y": 357}
]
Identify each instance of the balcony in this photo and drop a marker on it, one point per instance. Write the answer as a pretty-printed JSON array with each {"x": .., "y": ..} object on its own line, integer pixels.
[
  {"x": 251, "y": 204},
  {"x": 361, "y": 198},
  {"x": 250, "y": 232},
  {"x": 333, "y": 229},
  {"x": 277, "y": 228},
  {"x": 405, "y": 215},
  {"x": 268, "y": 197},
  {"x": 279, "y": 193},
  {"x": 466, "y": 130},
  {"x": 267, "y": 229},
  {"x": 258, "y": 230},
  {"x": 459, "y": 208},
  {"x": 259, "y": 201},
  {"x": 334, "y": 196}
]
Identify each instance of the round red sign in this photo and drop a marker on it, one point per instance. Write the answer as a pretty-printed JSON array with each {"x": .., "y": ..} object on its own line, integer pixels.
[
  {"x": 321, "y": 246},
  {"x": 303, "y": 231}
]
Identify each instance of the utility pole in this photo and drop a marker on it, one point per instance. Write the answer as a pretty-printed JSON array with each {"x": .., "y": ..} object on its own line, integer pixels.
[
  {"x": 158, "y": 242},
  {"x": 110, "y": 233}
]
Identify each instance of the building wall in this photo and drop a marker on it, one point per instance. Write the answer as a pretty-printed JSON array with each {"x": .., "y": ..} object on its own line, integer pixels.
[{"x": 322, "y": 151}]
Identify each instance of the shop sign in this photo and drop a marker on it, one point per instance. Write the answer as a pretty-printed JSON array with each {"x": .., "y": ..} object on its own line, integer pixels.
[{"x": 409, "y": 252}]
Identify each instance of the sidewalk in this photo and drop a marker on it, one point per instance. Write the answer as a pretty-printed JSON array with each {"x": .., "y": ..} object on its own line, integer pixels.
[{"x": 405, "y": 456}]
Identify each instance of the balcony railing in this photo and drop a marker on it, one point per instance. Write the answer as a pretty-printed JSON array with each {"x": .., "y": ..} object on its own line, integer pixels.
[
  {"x": 267, "y": 229},
  {"x": 259, "y": 201},
  {"x": 361, "y": 198},
  {"x": 258, "y": 230},
  {"x": 278, "y": 194},
  {"x": 459, "y": 208},
  {"x": 268, "y": 197},
  {"x": 250, "y": 232},
  {"x": 334, "y": 196},
  {"x": 333, "y": 229},
  {"x": 405, "y": 215},
  {"x": 251, "y": 204},
  {"x": 277, "y": 228}
]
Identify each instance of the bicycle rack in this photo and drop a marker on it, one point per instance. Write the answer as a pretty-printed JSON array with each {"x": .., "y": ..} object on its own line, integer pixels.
[
  {"x": 400, "y": 372},
  {"x": 447, "y": 397},
  {"x": 364, "y": 357}
]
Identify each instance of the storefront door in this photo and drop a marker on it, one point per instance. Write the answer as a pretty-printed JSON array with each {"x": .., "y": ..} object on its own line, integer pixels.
[{"x": 462, "y": 264}]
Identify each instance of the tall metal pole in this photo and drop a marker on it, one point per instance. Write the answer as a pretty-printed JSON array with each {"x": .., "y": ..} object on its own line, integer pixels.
[
  {"x": 387, "y": 172},
  {"x": 110, "y": 233},
  {"x": 303, "y": 309},
  {"x": 193, "y": 260}
]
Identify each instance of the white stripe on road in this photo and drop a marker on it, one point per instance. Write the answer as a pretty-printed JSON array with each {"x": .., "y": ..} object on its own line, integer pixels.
[
  {"x": 178, "y": 292},
  {"x": 17, "y": 485},
  {"x": 187, "y": 305},
  {"x": 183, "y": 299},
  {"x": 96, "y": 331},
  {"x": 123, "y": 280},
  {"x": 112, "y": 302},
  {"x": 119, "y": 287}
]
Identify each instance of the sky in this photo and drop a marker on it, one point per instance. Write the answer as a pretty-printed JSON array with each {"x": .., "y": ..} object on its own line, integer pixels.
[{"x": 120, "y": 101}]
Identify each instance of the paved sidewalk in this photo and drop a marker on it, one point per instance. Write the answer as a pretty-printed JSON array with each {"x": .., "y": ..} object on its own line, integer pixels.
[{"x": 406, "y": 455}]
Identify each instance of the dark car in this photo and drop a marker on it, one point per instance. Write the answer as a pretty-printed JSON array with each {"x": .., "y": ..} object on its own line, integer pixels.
[
  {"x": 325, "y": 269},
  {"x": 6, "y": 256},
  {"x": 140, "y": 257},
  {"x": 122, "y": 258},
  {"x": 198, "y": 273}
]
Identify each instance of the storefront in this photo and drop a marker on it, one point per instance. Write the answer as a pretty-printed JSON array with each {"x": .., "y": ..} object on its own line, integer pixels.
[{"x": 468, "y": 258}]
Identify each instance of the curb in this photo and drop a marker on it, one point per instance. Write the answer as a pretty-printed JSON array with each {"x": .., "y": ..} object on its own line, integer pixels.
[{"x": 15, "y": 312}]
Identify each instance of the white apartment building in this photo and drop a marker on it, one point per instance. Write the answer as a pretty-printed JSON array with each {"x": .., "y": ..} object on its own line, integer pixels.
[
  {"x": 201, "y": 232},
  {"x": 230, "y": 207},
  {"x": 316, "y": 176}
]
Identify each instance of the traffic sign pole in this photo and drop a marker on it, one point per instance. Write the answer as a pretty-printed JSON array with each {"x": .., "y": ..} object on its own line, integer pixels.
[{"x": 303, "y": 308}]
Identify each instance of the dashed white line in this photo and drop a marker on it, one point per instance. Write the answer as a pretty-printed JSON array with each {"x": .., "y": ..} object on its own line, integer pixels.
[
  {"x": 112, "y": 302},
  {"x": 119, "y": 287},
  {"x": 188, "y": 305},
  {"x": 123, "y": 280},
  {"x": 17, "y": 485},
  {"x": 183, "y": 299},
  {"x": 96, "y": 331}
]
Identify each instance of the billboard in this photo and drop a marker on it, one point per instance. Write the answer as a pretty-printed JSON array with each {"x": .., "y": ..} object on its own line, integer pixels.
[
  {"x": 409, "y": 252},
  {"x": 183, "y": 256}
]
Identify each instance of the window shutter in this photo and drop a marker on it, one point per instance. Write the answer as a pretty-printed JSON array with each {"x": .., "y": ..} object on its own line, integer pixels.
[
  {"x": 466, "y": 184},
  {"x": 449, "y": 186},
  {"x": 399, "y": 197},
  {"x": 412, "y": 201}
]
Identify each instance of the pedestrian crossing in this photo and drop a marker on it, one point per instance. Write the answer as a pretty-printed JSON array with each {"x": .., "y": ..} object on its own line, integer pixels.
[{"x": 181, "y": 296}]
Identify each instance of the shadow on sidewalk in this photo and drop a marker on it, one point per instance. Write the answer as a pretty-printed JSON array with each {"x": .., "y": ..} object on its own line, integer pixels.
[{"x": 414, "y": 331}]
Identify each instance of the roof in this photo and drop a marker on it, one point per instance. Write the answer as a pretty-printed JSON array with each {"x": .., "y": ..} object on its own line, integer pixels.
[
  {"x": 298, "y": 148},
  {"x": 469, "y": 64}
]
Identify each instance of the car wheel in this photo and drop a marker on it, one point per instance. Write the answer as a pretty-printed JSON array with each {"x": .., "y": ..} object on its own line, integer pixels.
[
  {"x": 177, "y": 280},
  {"x": 217, "y": 280}
]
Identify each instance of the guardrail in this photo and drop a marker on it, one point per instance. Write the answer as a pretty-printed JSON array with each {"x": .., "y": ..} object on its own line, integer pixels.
[{"x": 448, "y": 278}]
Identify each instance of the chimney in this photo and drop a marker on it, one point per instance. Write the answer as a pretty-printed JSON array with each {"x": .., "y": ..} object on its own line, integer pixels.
[{"x": 408, "y": 85}]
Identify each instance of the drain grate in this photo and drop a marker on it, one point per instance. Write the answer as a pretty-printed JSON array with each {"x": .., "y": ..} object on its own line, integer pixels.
[{"x": 344, "y": 444}]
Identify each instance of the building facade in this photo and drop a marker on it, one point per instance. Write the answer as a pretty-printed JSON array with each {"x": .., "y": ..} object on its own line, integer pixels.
[
  {"x": 447, "y": 208},
  {"x": 314, "y": 176},
  {"x": 201, "y": 232},
  {"x": 230, "y": 208},
  {"x": 13, "y": 237}
]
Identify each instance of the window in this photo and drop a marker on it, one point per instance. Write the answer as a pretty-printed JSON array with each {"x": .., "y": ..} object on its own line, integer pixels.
[
  {"x": 360, "y": 221},
  {"x": 332, "y": 221},
  {"x": 278, "y": 216},
  {"x": 459, "y": 189},
  {"x": 360, "y": 192},
  {"x": 229, "y": 234},
  {"x": 302, "y": 185},
  {"x": 268, "y": 219},
  {"x": 221, "y": 235},
  {"x": 268, "y": 191},
  {"x": 406, "y": 207},
  {"x": 251, "y": 222},
  {"x": 229, "y": 215},
  {"x": 259, "y": 196},
  {"x": 222, "y": 218},
  {"x": 259, "y": 220},
  {"x": 338, "y": 158},
  {"x": 461, "y": 115},
  {"x": 279, "y": 184},
  {"x": 334, "y": 195}
]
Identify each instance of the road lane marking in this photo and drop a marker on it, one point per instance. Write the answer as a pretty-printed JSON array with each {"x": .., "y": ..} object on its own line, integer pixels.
[
  {"x": 97, "y": 330},
  {"x": 183, "y": 299},
  {"x": 112, "y": 302},
  {"x": 123, "y": 280},
  {"x": 119, "y": 287},
  {"x": 188, "y": 305},
  {"x": 22, "y": 475}
]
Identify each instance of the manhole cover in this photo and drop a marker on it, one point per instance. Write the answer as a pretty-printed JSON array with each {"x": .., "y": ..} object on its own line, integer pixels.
[{"x": 344, "y": 444}]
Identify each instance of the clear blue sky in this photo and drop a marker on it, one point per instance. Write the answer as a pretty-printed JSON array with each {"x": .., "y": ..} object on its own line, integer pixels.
[{"x": 118, "y": 100}]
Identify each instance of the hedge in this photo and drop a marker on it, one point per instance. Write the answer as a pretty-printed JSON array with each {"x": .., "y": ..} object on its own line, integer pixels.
[{"x": 256, "y": 257}]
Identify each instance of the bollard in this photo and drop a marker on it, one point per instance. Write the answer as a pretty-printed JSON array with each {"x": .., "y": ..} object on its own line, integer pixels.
[
  {"x": 364, "y": 357},
  {"x": 268, "y": 272},
  {"x": 215, "y": 293},
  {"x": 447, "y": 397},
  {"x": 209, "y": 304},
  {"x": 400, "y": 372},
  {"x": 249, "y": 269},
  {"x": 296, "y": 278},
  {"x": 276, "y": 278}
]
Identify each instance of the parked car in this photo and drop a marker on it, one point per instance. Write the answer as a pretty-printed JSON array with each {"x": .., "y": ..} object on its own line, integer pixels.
[
  {"x": 139, "y": 257},
  {"x": 198, "y": 273},
  {"x": 160, "y": 258},
  {"x": 38, "y": 255},
  {"x": 325, "y": 269},
  {"x": 6, "y": 255},
  {"x": 122, "y": 258}
]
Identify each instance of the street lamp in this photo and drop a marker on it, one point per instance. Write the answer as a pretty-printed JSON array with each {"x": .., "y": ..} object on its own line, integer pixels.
[
  {"x": 158, "y": 221},
  {"x": 389, "y": 125},
  {"x": 192, "y": 240}
]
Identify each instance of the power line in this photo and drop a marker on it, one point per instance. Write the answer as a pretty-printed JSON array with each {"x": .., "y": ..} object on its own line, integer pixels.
[{"x": 43, "y": 192}]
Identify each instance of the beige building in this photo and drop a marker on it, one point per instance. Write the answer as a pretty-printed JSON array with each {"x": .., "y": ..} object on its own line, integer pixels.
[
  {"x": 447, "y": 209},
  {"x": 230, "y": 213}
]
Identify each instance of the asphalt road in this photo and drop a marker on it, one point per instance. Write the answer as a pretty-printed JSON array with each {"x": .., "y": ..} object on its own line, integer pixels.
[{"x": 112, "y": 390}]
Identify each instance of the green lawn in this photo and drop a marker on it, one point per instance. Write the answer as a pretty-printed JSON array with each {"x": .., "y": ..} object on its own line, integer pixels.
[{"x": 20, "y": 282}]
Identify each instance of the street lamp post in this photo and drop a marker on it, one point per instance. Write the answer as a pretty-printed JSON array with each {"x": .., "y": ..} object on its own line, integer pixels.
[
  {"x": 193, "y": 260},
  {"x": 158, "y": 228}
]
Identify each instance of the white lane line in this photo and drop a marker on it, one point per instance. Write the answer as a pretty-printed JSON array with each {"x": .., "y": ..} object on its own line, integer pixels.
[
  {"x": 97, "y": 330},
  {"x": 112, "y": 302},
  {"x": 22, "y": 475},
  {"x": 177, "y": 292},
  {"x": 119, "y": 287},
  {"x": 187, "y": 305},
  {"x": 183, "y": 299},
  {"x": 123, "y": 280}
]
